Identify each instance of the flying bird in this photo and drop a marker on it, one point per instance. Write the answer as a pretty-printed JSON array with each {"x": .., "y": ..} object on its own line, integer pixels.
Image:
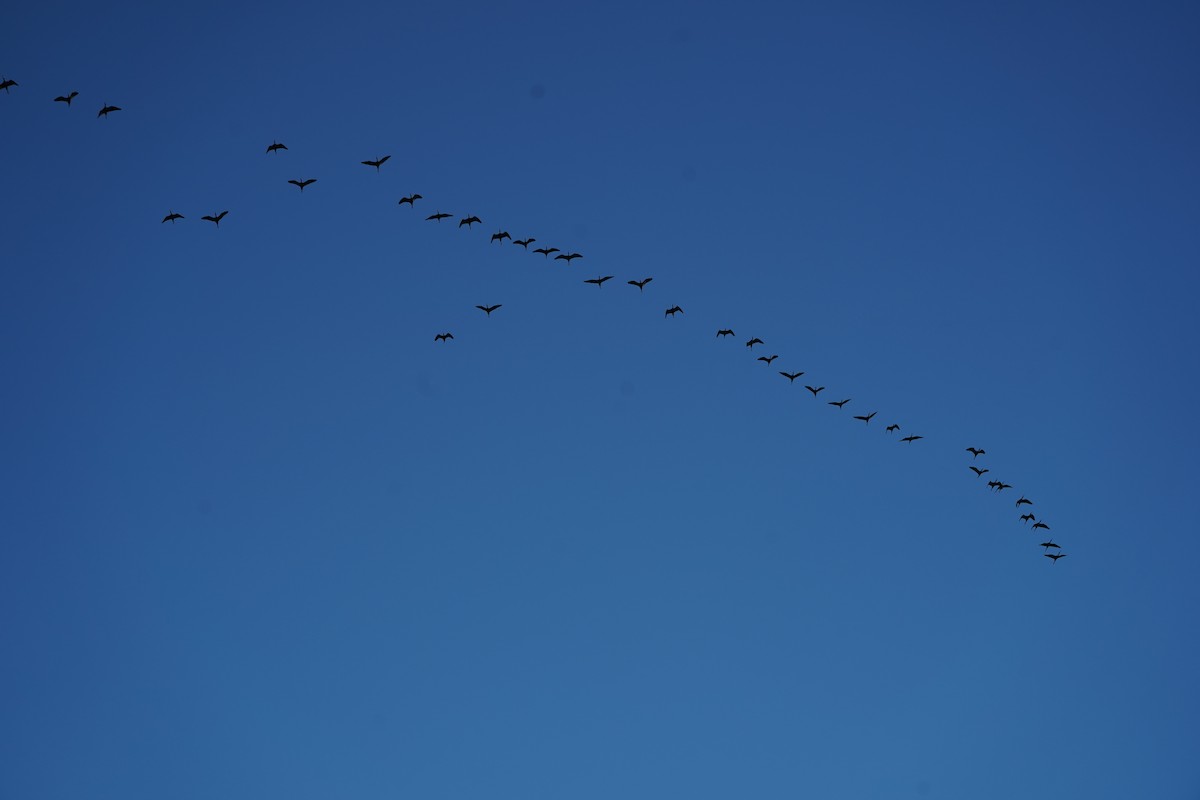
[
  {"x": 525, "y": 242},
  {"x": 216, "y": 218},
  {"x": 172, "y": 217},
  {"x": 1000, "y": 487},
  {"x": 1049, "y": 544},
  {"x": 815, "y": 389},
  {"x": 545, "y": 251},
  {"x": 791, "y": 376},
  {"x": 567, "y": 257},
  {"x": 275, "y": 146},
  {"x": 975, "y": 452},
  {"x": 642, "y": 285},
  {"x": 441, "y": 337},
  {"x": 107, "y": 109},
  {"x": 753, "y": 342},
  {"x": 839, "y": 403},
  {"x": 66, "y": 98},
  {"x": 892, "y": 427},
  {"x": 303, "y": 183},
  {"x": 724, "y": 332},
  {"x": 376, "y": 164},
  {"x": 911, "y": 438},
  {"x": 500, "y": 236},
  {"x": 1023, "y": 501},
  {"x": 1041, "y": 525},
  {"x": 992, "y": 484},
  {"x": 867, "y": 418},
  {"x": 468, "y": 221},
  {"x": 1027, "y": 518},
  {"x": 7, "y": 83},
  {"x": 598, "y": 281},
  {"x": 438, "y": 216},
  {"x": 672, "y": 311},
  {"x": 768, "y": 359},
  {"x": 1055, "y": 556},
  {"x": 411, "y": 199},
  {"x": 979, "y": 472},
  {"x": 488, "y": 309}
]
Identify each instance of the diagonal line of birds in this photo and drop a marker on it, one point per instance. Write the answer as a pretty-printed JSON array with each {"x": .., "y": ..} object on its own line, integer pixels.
[{"x": 1051, "y": 550}]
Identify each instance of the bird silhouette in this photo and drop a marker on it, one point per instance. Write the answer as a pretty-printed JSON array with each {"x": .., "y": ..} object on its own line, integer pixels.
[
  {"x": 1049, "y": 544},
  {"x": 568, "y": 257},
  {"x": 107, "y": 109},
  {"x": 7, "y": 83},
  {"x": 441, "y": 337},
  {"x": 488, "y": 309},
  {"x": 468, "y": 221},
  {"x": 753, "y": 342},
  {"x": 1054, "y": 556},
  {"x": 640, "y": 284},
  {"x": 598, "y": 281},
  {"x": 438, "y": 216},
  {"x": 66, "y": 98},
  {"x": 815, "y": 389},
  {"x": 992, "y": 484},
  {"x": 867, "y": 417},
  {"x": 376, "y": 164},
  {"x": 1027, "y": 518},
  {"x": 216, "y": 218},
  {"x": 1037, "y": 525},
  {"x": 724, "y": 332},
  {"x": 979, "y": 472},
  {"x": 500, "y": 236},
  {"x": 172, "y": 217},
  {"x": 791, "y": 376},
  {"x": 1023, "y": 501},
  {"x": 411, "y": 200},
  {"x": 1000, "y": 486},
  {"x": 768, "y": 359},
  {"x": 672, "y": 311},
  {"x": 275, "y": 146},
  {"x": 839, "y": 403},
  {"x": 545, "y": 251},
  {"x": 303, "y": 183},
  {"x": 911, "y": 438},
  {"x": 892, "y": 427},
  {"x": 524, "y": 242},
  {"x": 975, "y": 452}
]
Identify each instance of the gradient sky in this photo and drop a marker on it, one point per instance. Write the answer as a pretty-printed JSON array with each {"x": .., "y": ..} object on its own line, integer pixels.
[{"x": 263, "y": 537}]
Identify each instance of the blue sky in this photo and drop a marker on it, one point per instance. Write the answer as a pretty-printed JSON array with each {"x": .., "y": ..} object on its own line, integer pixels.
[{"x": 264, "y": 537}]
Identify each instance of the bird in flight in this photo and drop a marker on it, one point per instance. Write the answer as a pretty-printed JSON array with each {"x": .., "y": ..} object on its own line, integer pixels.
[
  {"x": 567, "y": 257},
  {"x": 411, "y": 200},
  {"x": 1041, "y": 525},
  {"x": 1001, "y": 486},
  {"x": 892, "y": 427},
  {"x": 500, "y": 236},
  {"x": 640, "y": 284},
  {"x": 992, "y": 484},
  {"x": 303, "y": 183},
  {"x": 815, "y": 389},
  {"x": 377, "y": 163},
  {"x": 753, "y": 342},
  {"x": 7, "y": 83},
  {"x": 275, "y": 146},
  {"x": 172, "y": 217},
  {"x": 1024, "y": 501},
  {"x": 598, "y": 281},
  {"x": 525, "y": 242},
  {"x": 911, "y": 438},
  {"x": 107, "y": 109},
  {"x": 1054, "y": 556},
  {"x": 1049, "y": 544},
  {"x": 441, "y": 337},
  {"x": 545, "y": 251},
  {"x": 768, "y": 359},
  {"x": 438, "y": 216},
  {"x": 724, "y": 332},
  {"x": 672, "y": 311},
  {"x": 839, "y": 403},
  {"x": 468, "y": 221},
  {"x": 867, "y": 417},
  {"x": 1027, "y": 518},
  {"x": 975, "y": 452},
  {"x": 488, "y": 309},
  {"x": 979, "y": 472},
  {"x": 216, "y": 219},
  {"x": 66, "y": 98},
  {"x": 791, "y": 376}
]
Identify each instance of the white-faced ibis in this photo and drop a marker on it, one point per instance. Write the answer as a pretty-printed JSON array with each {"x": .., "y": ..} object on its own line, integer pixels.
[
  {"x": 1023, "y": 501},
  {"x": 438, "y": 216},
  {"x": 867, "y": 417},
  {"x": 488, "y": 309},
  {"x": 500, "y": 236},
  {"x": 1049, "y": 544},
  {"x": 1055, "y": 556},
  {"x": 525, "y": 242},
  {"x": 66, "y": 98},
  {"x": 791, "y": 376},
  {"x": 768, "y": 359},
  {"x": 545, "y": 251},
  {"x": 303, "y": 183},
  {"x": 724, "y": 332},
  {"x": 275, "y": 147},
  {"x": 411, "y": 200},
  {"x": 469, "y": 221},
  {"x": 975, "y": 452},
  {"x": 1041, "y": 525},
  {"x": 172, "y": 217},
  {"x": 1027, "y": 518},
  {"x": 7, "y": 83},
  {"x": 672, "y": 311},
  {"x": 815, "y": 389},
  {"x": 215, "y": 218},
  {"x": 107, "y": 109},
  {"x": 567, "y": 257},
  {"x": 892, "y": 427},
  {"x": 979, "y": 472},
  {"x": 911, "y": 439},
  {"x": 377, "y": 163},
  {"x": 441, "y": 337},
  {"x": 598, "y": 281},
  {"x": 753, "y": 342},
  {"x": 839, "y": 403},
  {"x": 640, "y": 284}
]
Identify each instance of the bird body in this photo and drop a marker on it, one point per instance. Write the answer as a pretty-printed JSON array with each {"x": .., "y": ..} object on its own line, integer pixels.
[
  {"x": 1054, "y": 556},
  {"x": 377, "y": 163},
  {"x": 525, "y": 242},
  {"x": 441, "y": 337},
  {"x": 839, "y": 403},
  {"x": 768, "y": 359},
  {"x": 7, "y": 83},
  {"x": 1041, "y": 525},
  {"x": 107, "y": 109},
  {"x": 468, "y": 221},
  {"x": 303, "y": 183},
  {"x": 979, "y": 472},
  {"x": 975, "y": 452},
  {"x": 791, "y": 376},
  {"x": 438, "y": 216},
  {"x": 172, "y": 217},
  {"x": 1024, "y": 501},
  {"x": 411, "y": 200},
  {"x": 568, "y": 257},
  {"x": 598, "y": 281},
  {"x": 216, "y": 218},
  {"x": 815, "y": 389},
  {"x": 753, "y": 342},
  {"x": 867, "y": 417},
  {"x": 1026, "y": 518},
  {"x": 672, "y": 311},
  {"x": 275, "y": 147},
  {"x": 500, "y": 236},
  {"x": 911, "y": 438},
  {"x": 640, "y": 284},
  {"x": 892, "y": 427},
  {"x": 66, "y": 98},
  {"x": 488, "y": 309},
  {"x": 546, "y": 251},
  {"x": 1049, "y": 544}
]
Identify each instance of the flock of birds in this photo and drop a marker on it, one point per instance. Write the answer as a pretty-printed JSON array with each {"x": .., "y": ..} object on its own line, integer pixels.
[{"x": 1052, "y": 550}]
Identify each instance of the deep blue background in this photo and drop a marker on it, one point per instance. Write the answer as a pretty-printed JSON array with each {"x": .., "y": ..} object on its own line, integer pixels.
[{"x": 264, "y": 538}]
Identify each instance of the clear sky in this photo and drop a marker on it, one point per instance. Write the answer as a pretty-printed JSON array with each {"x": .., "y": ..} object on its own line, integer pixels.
[{"x": 264, "y": 537}]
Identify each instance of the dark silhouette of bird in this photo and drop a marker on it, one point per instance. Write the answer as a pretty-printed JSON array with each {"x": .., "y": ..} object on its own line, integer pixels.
[
  {"x": 1000, "y": 486},
  {"x": 992, "y": 484},
  {"x": 107, "y": 109},
  {"x": 524, "y": 242},
  {"x": 867, "y": 418},
  {"x": 598, "y": 281},
  {"x": 568, "y": 257},
  {"x": 216, "y": 218},
  {"x": 640, "y": 284},
  {"x": 441, "y": 337},
  {"x": 892, "y": 427},
  {"x": 839, "y": 403},
  {"x": 1024, "y": 501},
  {"x": 911, "y": 438},
  {"x": 66, "y": 98},
  {"x": 172, "y": 217},
  {"x": 1055, "y": 556},
  {"x": 1027, "y": 518},
  {"x": 438, "y": 216},
  {"x": 545, "y": 251},
  {"x": 303, "y": 183},
  {"x": 411, "y": 200},
  {"x": 488, "y": 309},
  {"x": 1041, "y": 525},
  {"x": 979, "y": 472},
  {"x": 275, "y": 146},
  {"x": 469, "y": 221},
  {"x": 975, "y": 452},
  {"x": 7, "y": 83},
  {"x": 500, "y": 236},
  {"x": 1049, "y": 544},
  {"x": 376, "y": 164},
  {"x": 815, "y": 389},
  {"x": 724, "y": 332},
  {"x": 768, "y": 359},
  {"x": 791, "y": 376},
  {"x": 753, "y": 342},
  {"x": 672, "y": 311}
]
